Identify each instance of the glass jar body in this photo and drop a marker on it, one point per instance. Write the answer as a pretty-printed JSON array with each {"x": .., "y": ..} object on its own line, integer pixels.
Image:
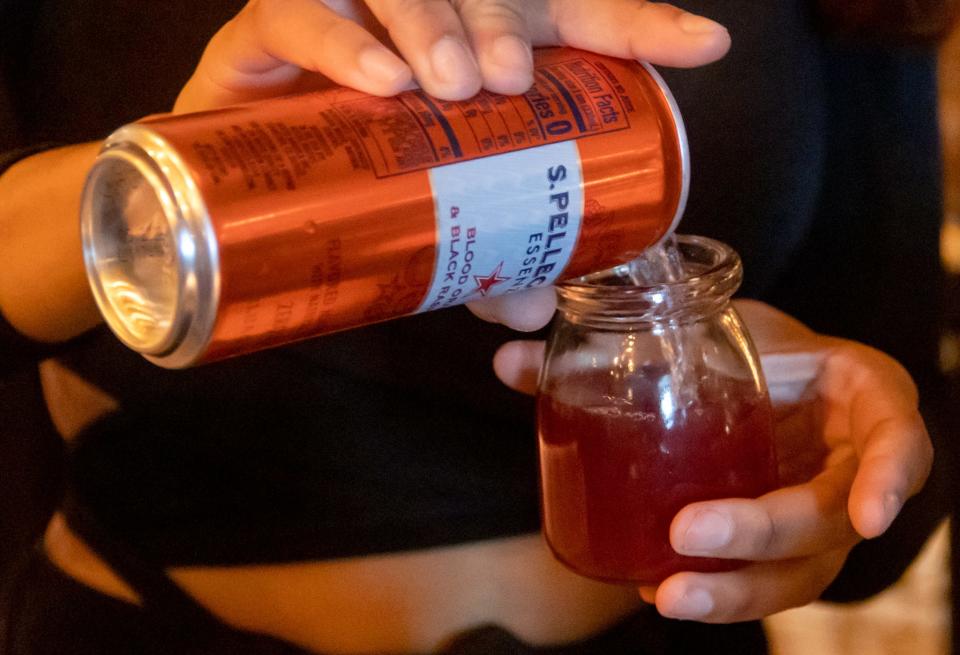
[{"x": 638, "y": 418}]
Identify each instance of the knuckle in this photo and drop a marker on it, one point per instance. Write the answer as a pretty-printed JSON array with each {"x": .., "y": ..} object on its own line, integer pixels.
[
  {"x": 764, "y": 535},
  {"x": 737, "y": 605},
  {"x": 414, "y": 11},
  {"x": 263, "y": 14},
  {"x": 491, "y": 10},
  {"x": 825, "y": 570},
  {"x": 334, "y": 30},
  {"x": 817, "y": 574},
  {"x": 250, "y": 14},
  {"x": 264, "y": 10}
]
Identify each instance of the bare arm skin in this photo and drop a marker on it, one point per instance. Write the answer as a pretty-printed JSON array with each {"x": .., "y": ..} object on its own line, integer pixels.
[{"x": 43, "y": 287}]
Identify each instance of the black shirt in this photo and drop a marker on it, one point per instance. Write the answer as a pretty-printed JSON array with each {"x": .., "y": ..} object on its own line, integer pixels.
[{"x": 816, "y": 159}]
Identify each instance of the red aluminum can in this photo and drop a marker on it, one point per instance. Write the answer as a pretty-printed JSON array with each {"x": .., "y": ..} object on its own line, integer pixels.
[{"x": 218, "y": 233}]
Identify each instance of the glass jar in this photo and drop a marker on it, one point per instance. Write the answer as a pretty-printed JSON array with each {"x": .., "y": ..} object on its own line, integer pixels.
[{"x": 651, "y": 397}]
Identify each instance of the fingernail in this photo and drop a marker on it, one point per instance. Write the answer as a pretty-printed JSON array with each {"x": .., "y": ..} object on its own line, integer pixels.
[
  {"x": 382, "y": 65},
  {"x": 694, "y": 24},
  {"x": 648, "y": 594},
  {"x": 891, "y": 506},
  {"x": 694, "y": 604},
  {"x": 707, "y": 531},
  {"x": 512, "y": 52},
  {"x": 450, "y": 60}
]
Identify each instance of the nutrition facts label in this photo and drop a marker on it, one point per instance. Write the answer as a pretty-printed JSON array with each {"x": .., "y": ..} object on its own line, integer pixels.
[{"x": 568, "y": 100}]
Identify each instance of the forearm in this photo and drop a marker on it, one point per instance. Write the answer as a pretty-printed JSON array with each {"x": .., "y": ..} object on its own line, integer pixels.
[{"x": 43, "y": 288}]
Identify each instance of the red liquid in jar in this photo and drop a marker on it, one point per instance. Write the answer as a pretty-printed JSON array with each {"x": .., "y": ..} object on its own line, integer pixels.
[{"x": 614, "y": 476}]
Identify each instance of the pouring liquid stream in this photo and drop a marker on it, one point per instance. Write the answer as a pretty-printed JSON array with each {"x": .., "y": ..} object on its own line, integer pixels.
[{"x": 663, "y": 264}]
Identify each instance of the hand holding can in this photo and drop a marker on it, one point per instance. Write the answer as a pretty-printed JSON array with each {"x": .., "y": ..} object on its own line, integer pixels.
[{"x": 213, "y": 234}]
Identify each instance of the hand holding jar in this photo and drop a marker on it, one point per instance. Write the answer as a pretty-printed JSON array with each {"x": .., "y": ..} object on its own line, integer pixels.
[
  {"x": 851, "y": 448},
  {"x": 650, "y": 398}
]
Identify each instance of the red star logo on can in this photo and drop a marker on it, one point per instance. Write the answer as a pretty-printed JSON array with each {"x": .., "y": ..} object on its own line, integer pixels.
[{"x": 486, "y": 282}]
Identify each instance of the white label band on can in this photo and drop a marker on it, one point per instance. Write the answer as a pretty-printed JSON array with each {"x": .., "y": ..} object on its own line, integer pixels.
[{"x": 495, "y": 238}]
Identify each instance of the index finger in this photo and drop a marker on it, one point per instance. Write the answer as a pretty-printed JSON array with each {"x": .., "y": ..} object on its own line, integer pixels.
[
  {"x": 889, "y": 434},
  {"x": 264, "y": 50},
  {"x": 631, "y": 29},
  {"x": 895, "y": 463}
]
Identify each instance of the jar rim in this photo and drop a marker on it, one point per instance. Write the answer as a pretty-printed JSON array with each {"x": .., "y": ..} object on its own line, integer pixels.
[{"x": 612, "y": 295}]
